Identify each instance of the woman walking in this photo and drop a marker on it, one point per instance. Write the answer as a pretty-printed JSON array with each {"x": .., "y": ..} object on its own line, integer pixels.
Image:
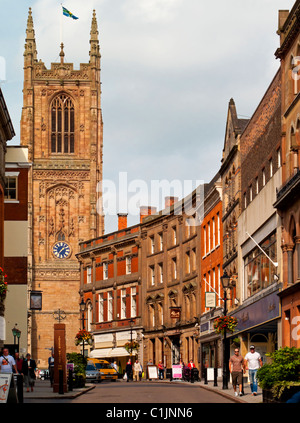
[{"x": 28, "y": 370}]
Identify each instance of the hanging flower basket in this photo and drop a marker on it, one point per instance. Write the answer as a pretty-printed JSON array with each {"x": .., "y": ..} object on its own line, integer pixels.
[
  {"x": 83, "y": 335},
  {"x": 130, "y": 346},
  {"x": 3, "y": 284},
  {"x": 223, "y": 322}
]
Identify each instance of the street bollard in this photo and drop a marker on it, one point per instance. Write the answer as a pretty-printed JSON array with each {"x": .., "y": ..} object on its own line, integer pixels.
[
  {"x": 215, "y": 376},
  {"x": 205, "y": 376},
  {"x": 70, "y": 380},
  {"x": 61, "y": 381},
  {"x": 20, "y": 388}
]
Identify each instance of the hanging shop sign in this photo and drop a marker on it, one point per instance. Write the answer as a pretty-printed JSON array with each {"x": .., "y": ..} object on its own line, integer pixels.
[{"x": 210, "y": 299}]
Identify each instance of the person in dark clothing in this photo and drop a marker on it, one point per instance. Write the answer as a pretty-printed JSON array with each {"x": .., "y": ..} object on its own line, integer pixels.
[
  {"x": 28, "y": 370},
  {"x": 128, "y": 370}
]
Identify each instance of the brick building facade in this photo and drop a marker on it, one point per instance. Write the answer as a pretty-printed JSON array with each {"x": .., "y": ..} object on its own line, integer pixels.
[
  {"x": 62, "y": 126},
  {"x": 288, "y": 199},
  {"x": 6, "y": 133},
  {"x": 211, "y": 271}
]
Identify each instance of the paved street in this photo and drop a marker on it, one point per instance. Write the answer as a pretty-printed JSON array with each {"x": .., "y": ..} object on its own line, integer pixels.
[{"x": 155, "y": 392}]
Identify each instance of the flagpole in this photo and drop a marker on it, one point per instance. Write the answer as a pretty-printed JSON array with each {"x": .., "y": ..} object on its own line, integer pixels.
[{"x": 61, "y": 24}]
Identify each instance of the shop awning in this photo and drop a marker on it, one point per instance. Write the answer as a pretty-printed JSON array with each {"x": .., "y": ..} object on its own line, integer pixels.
[
  {"x": 100, "y": 353},
  {"x": 108, "y": 352}
]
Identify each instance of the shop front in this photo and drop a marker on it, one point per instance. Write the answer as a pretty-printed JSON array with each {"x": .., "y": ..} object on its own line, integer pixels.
[{"x": 258, "y": 323}]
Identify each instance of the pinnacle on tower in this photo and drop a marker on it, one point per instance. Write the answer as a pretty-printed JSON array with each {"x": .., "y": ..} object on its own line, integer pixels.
[
  {"x": 30, "y": 45},
  {"x": 94, "y": 41},
  {"x": 62, "y": 54}
]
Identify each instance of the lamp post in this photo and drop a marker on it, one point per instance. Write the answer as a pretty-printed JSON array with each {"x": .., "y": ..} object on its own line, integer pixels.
[
  {"x": 225, "y": 279},
  {"x": 82, "y": 309},
  {"x": 16, "y": 333}
]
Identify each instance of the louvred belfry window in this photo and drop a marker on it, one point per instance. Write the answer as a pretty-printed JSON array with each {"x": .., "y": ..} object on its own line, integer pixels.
[{"x": 62, "y": 125}]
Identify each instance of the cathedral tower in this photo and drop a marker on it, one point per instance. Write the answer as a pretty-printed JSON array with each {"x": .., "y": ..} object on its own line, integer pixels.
[{"x": 62, "y": 126}]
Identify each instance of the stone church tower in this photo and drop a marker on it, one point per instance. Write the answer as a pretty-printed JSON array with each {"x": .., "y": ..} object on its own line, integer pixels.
[{"x": 62, "y": 126}]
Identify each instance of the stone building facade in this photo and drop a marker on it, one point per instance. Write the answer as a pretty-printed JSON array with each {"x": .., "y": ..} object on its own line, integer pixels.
[
  {"x": 171, "y": 254},
  {"x": 230, "y": 172},
  {"x": 288, "y": 199},
  {"x": 62, "y": 127}
]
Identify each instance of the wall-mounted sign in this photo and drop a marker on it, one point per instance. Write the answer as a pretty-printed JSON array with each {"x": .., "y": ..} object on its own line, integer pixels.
[
  {"x": 35, "y": 300},
  {"x": 210, "y": 299},
  {"x": 175, "y": 312}
]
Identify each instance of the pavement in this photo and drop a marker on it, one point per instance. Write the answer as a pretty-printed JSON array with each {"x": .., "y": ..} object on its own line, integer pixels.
[{"x": 43, "y": 390}]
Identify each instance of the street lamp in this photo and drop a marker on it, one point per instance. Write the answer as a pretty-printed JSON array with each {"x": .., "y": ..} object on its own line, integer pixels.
[
  {"x": 16, "y": 333},
  {"x": 225, "y": 279},
  {"x": 82, "y": 306}
]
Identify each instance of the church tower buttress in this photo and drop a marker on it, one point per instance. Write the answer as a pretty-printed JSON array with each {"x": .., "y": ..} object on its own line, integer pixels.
[{"x": 62, "y": 126}]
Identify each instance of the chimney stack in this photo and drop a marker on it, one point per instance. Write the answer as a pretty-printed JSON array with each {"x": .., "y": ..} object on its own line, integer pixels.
[
  {"x": 169, "y": 201},
  {"x": 122, "y": 221},
  {"x": 146, "y": 211}
]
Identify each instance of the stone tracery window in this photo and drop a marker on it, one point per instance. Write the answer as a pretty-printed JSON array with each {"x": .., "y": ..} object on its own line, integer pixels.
[{"x": 62, "y": 125}]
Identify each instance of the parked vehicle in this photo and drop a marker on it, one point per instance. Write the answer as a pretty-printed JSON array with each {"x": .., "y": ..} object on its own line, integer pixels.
[
  {"x": 107, "y": 372},
  {"x": 92, "y": 374}
]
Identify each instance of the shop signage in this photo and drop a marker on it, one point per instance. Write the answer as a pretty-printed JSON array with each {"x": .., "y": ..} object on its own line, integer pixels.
[
  {"x": 261, "y": 311},
  {"x": 175, "y": 312},
  {"x": 177, "y": 371},
  {"x": 210, "y": 299}
]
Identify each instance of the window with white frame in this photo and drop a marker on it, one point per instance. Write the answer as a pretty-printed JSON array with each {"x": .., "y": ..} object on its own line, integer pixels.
[
  {"x": 208, "y": 237},
  {"x": 89, "y": 275},
  {"x": 204, "y": 240},
  {"x": 160, "y": 268},
  {"x": 174, "y": 235},
  {"x": 214, "y": 233},
  {"x": 174, "y": 268},
  {"x": 256, "y": 185},
  {"x": 133, "y": 302},
  {"x": 264, "y": 177},
  {"x": 271, "y": 167},
  {"x": 110, "y": 305},
  {"x": 152, "y": 275},
  {"x": 278, "y": 158},
  {"x": 161, "y": 244},
  {"x": 188, "y": 262},
  {"x": 11, "y": 186},
  {"x": 161, "y": 313},
  {"x": 128, "y": 265},
  {"x": 152, "y": 245},
  {"x": 250, "y": 194},
  {"x": 219, "y": 228},
  {"x": 152, "y": 315},
  {"x": 123, "y": 304},
  {"x": 105, "y": 270},
  {"x": 219, "y": 286},
  {"x": 101, "y": 307}
]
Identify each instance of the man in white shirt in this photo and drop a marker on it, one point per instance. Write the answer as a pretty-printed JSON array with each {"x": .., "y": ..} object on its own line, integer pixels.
[
  {"x": 7, "y": 362},
  {"x": 254, "y": 362}
]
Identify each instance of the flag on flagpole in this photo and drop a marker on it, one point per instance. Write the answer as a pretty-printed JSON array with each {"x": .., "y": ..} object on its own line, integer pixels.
[{"x": 69, "y": 14}]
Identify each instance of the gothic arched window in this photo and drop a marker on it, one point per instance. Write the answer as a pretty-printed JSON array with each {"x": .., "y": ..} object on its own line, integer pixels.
[{"x": 62, "y": 125}]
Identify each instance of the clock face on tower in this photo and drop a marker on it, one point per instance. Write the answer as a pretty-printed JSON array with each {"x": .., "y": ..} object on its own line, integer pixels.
[{"x": 61, "y": 250}]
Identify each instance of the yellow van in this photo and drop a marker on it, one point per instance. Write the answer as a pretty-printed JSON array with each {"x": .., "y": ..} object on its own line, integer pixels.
[{"x": 107, "y": 372}]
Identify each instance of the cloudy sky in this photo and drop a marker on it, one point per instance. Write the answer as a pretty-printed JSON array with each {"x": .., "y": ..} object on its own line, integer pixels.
[{"x": 169, "y": 69}]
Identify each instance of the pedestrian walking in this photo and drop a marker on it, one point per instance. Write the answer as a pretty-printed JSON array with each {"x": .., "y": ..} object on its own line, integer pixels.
[
  {"x": 8, "y": 365},
  {"x": 51, "y": 368},
  {"x": 28, "y": 370},
  {"x": 128, "y": 370},
  {"x": 236, "y": 368},
  {"x": 161, "y": 370},
  {"x": 254, "y": 362},
  {"x": 7, "y": 362},
  {"x": 191, "y": 365},
  {"x": 19, "y": 362},
  {"x": 137, "y": 370},
  {"x": 115, "y": 366}
]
